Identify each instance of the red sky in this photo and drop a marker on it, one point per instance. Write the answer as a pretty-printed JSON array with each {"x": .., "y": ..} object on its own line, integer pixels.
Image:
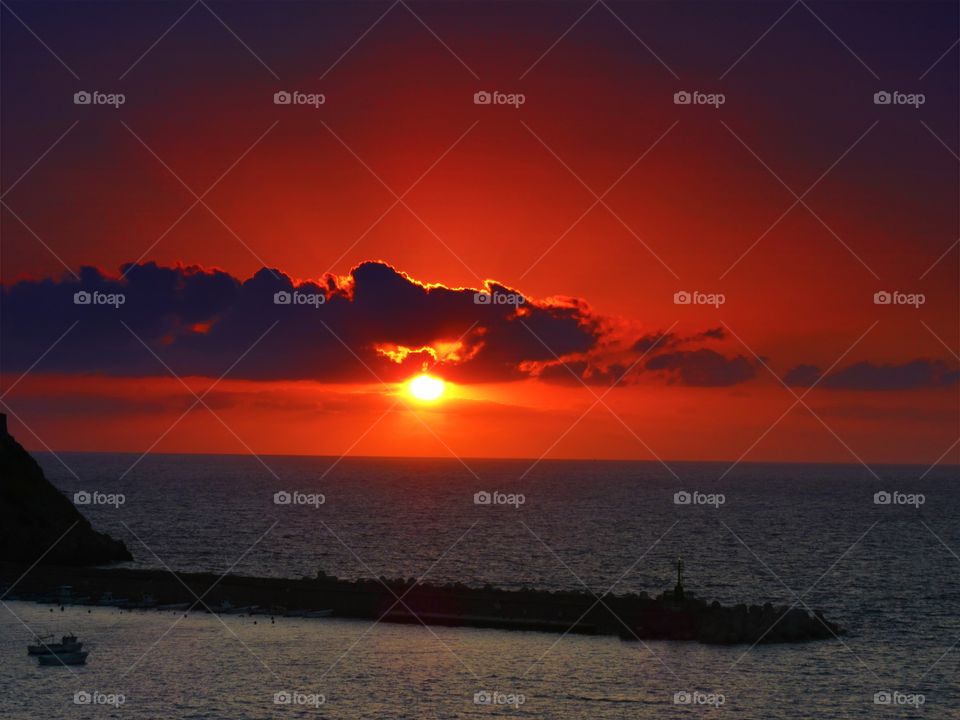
[{"x": 508, "y": 194}]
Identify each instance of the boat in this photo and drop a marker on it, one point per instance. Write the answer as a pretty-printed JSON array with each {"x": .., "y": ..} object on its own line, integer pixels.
[
  {"x": 228, "y": 608},
  {"x": 70, "y": 658},
  {"x": 308, "y": 613},
  {"x": 173, "y": 606},
  {"x": 263, "y": 610},
  {"x": 107, "y": 599},
  {"x": 146, "y": 603},
  {"x": 67, "y": 644},
  {"x": 318, "y": 613},
  {"x": 248, "y": 610}
]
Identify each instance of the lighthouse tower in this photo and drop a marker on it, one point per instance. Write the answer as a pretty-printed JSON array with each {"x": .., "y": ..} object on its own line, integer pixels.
[{"x": 678, "y": 590}]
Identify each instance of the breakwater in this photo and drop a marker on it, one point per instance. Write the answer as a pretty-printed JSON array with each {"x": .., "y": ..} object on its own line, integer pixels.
[{"x": 630, "y": 616}]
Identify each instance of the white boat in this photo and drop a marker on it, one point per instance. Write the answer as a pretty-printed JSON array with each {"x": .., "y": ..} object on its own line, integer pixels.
[
  {"x": 46, "y": 646},
  {"x": 69, "y": 658}
]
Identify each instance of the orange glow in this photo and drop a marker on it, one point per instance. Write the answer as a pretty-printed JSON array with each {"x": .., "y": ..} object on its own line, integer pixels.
[{"x": 426, "y": 387}]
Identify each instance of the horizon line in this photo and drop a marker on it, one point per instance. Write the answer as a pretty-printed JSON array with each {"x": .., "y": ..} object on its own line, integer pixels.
[{"x": 654, "y": 461}]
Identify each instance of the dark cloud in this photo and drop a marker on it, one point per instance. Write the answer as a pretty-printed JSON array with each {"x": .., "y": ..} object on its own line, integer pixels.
[
  {"x": 703, "y": 368},
  {"x": 652, "y": 341},
  {"x": 375, "y": 323},
  {"x": 201, "y": 321},
  {"x": 717, "y": 333},
  {"x": 917, "y": 374},
  {"x": 663, "y": 341},
  {"x": 582, "y": 372},
  {"x": 802, "y": 376}
]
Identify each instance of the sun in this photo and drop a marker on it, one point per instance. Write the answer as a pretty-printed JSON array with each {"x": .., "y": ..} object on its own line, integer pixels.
[{"x": 426, "y": 387}]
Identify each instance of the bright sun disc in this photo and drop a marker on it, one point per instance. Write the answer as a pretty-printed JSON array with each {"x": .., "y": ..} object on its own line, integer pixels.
[{"x": 426, "y": 387}]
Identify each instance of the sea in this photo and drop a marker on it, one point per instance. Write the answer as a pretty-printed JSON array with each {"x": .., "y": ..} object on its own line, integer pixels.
[{"x": 876, "y": 549}]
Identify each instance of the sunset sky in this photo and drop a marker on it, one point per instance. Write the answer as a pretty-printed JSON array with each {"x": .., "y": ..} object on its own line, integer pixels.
[{"x": 399, "y": 198}]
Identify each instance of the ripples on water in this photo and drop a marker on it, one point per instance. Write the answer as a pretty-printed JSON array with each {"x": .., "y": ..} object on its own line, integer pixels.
[{"x": 882, "y": 572}]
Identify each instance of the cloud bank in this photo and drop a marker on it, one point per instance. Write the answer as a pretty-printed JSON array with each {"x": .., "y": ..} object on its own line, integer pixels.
[{"x": 374, "y": 324}]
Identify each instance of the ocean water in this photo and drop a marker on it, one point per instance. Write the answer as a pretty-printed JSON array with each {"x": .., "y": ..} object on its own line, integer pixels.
[{"x": 888, "y": 573}]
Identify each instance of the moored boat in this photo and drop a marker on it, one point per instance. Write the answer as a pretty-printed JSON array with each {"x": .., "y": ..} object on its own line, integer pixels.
[
  {"x": 67, "y": 658},
  {"x": 308, "y": 613},
  {"x": 228, "y": 608},
  {"x": 107, "y": 599},
  {"x": 67, "y": 644},
  {"x": 247, "y": 610},
  {"x": 145, "y": 603},
  {"x": 318, "y": 613},
  {"x": 173, "y": 606}
]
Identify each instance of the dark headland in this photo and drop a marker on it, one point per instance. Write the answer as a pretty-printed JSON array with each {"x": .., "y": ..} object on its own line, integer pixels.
[{"x": 34, "y": 514}]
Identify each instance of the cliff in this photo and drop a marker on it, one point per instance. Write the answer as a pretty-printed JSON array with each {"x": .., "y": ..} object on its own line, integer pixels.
[{"x": 33, "y": 514}]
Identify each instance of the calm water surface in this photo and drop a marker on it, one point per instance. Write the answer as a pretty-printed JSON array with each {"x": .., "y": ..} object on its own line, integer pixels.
[{"x": 887, "y": 573}]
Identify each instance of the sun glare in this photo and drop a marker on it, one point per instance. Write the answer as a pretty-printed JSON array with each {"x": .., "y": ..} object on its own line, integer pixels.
[{"x": 426, "y": 387}]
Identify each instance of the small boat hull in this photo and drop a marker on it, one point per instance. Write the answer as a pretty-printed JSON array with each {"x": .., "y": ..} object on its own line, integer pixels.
[
  {"x": 54, "y": 649},
  {"x": 74, "y": 658}
]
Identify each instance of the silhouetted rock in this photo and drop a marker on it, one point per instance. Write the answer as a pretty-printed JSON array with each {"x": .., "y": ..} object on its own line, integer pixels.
[{"x": 33, "y": 514}]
